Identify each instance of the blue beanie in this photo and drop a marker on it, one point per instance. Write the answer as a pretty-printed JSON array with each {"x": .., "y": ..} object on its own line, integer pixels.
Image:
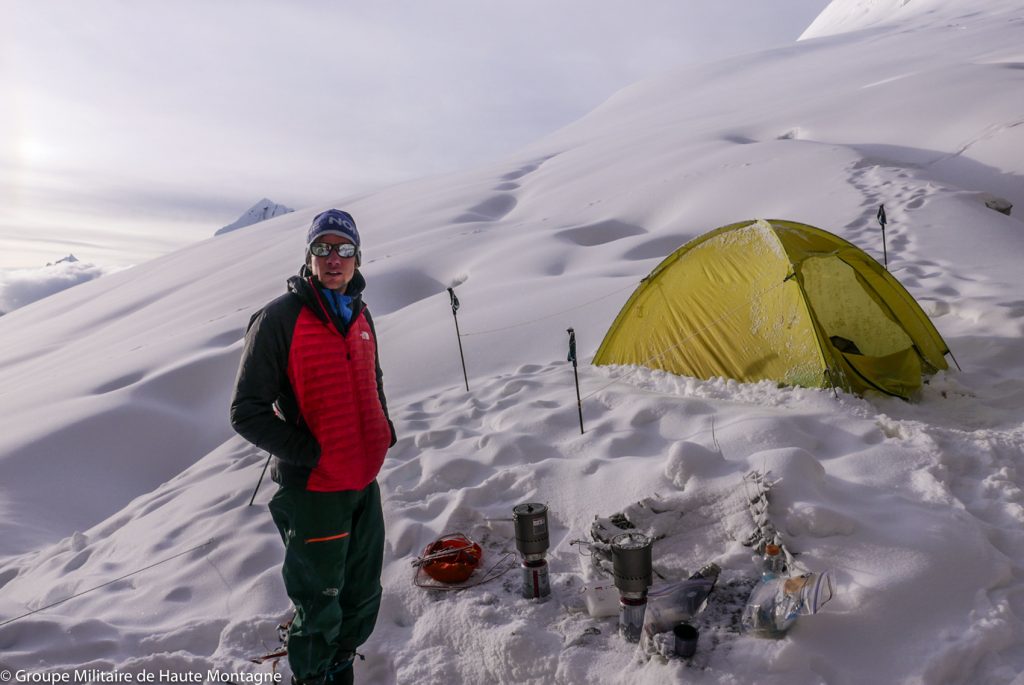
[{"x": 333, "y": 222}]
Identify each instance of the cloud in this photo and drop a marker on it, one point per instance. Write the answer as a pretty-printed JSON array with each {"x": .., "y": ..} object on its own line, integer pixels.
[{"x": 19, "y": 287}]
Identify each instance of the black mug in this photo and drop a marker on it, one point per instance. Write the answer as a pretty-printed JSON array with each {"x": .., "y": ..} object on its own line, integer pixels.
[{"x": 686, "y": 640}]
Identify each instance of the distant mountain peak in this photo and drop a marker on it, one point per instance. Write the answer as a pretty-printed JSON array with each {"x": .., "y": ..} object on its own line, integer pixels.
[
  {"x": 261, "y": 211},
  {"x": 70, "y": 259}
]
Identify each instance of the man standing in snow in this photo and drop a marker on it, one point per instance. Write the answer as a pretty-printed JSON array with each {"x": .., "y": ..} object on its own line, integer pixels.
[{"x": 310, "y": 392}]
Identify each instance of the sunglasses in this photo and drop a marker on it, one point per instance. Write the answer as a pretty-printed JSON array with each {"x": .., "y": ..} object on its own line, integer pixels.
[{"x": 344, "y": 250}]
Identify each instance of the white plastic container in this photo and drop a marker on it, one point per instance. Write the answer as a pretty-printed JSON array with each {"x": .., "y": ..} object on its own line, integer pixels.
[{"x": 602, "y": 599}]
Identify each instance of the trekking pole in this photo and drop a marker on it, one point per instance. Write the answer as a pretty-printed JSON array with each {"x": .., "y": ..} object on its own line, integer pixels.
[
  {"x": 882, "y": 221},
  {"x": 455, "y": 308},
  {"x": 575, "y": 373},
  {"x": 260, "y": 481}
]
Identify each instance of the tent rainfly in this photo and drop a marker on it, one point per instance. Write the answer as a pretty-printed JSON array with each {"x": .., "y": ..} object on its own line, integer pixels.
[{"x": 777, "y": 300}]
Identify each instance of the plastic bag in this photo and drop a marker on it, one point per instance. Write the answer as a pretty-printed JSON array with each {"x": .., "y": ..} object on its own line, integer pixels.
[
  {"x": 669, "y": 605},
  {"x": 775, "y": 604}
]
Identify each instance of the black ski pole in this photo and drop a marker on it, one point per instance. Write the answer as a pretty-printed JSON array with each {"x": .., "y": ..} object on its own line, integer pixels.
[
  {"x": 882, "y": 221},
  {"x": 455, "y": 308},
  {"x": 575, "y": 373},
  {"x": 260, "y": 481}
]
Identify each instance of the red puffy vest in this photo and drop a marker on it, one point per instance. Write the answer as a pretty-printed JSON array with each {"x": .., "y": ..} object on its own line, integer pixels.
[{"x": 335, "y": 383}]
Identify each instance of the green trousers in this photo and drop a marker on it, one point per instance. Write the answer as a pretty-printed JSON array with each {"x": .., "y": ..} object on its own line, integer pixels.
[{"x": 334, "y": 552}]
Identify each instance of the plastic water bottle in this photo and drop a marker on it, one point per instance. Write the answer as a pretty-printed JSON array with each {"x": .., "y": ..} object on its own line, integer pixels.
[{"x": 773, "y": 563}]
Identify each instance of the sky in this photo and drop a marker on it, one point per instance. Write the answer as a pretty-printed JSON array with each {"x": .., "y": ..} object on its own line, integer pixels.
[{"x": 133, "y": 128}]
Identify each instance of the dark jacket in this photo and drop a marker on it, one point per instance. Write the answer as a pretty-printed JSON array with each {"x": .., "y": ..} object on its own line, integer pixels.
[{"x": 310, "y": 390}]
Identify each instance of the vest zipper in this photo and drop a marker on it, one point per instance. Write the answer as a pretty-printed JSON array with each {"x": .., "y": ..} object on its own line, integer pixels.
[{"x": 352, "y": 384}]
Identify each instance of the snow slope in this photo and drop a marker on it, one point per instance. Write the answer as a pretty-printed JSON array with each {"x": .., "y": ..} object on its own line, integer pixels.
[{"x": 115, "y": 452}]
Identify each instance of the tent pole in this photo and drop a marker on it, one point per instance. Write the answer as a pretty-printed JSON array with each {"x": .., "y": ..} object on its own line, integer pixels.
[{"x": 950, "y": 353}]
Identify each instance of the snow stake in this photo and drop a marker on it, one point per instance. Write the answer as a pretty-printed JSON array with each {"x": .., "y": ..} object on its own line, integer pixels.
[
  {"x": 882, "y": 221},
  {"x": 458, "y": 336},
  {"x": 575, "y": 373},
  {"x": 531, "y": 523},
  {"x": 631, "y": 566}
]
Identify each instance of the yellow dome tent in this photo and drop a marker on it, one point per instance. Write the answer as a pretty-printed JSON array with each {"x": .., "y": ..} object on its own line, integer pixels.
[{"x": 782, "y": 301}]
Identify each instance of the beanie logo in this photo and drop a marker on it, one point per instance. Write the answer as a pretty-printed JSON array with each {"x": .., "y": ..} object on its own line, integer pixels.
[
  {"x": 364, "y": 335},
  {"x": 333, "y": 221},
  {"x": 341, "y": 221}
]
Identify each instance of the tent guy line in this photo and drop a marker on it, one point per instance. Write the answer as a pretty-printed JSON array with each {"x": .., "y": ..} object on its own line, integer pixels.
[
  {"x": 861, "y": 378},
  {"x": 553, "y": 314},
  {"x": 109, "y": 582}
]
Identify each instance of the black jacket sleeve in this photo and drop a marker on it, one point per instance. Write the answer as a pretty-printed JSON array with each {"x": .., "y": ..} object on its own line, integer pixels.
[
  {"x": 262, "y": 380},
  {"x": 380, "y": 378}
]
